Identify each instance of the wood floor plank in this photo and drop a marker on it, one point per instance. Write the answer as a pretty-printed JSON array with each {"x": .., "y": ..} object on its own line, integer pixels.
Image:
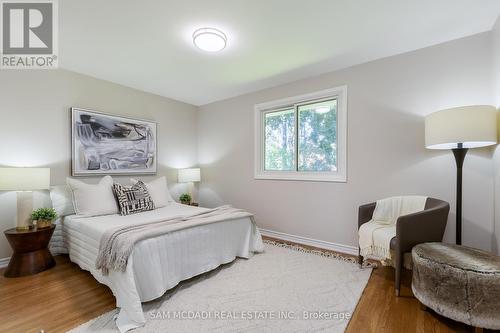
[
  {"x": 54, "y": 301},
  {"x": 66, "y": 296}
]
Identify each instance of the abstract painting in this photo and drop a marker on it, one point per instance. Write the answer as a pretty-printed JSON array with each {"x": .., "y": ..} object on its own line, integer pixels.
[{"x": 104, "y": 144}]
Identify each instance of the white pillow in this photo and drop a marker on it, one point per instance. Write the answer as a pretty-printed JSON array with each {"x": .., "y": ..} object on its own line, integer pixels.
[
  {"x": 158, "y": 191},
  {"x": 62, "y": 200},
  {"x": 93, "y": 200}
]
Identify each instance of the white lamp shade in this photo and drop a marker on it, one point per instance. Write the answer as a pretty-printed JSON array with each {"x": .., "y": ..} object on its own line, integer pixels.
[
  {"x": 24, "y": 179},
  {"x": 471, "y": 126},
  {"x": 189, "y": 175}
]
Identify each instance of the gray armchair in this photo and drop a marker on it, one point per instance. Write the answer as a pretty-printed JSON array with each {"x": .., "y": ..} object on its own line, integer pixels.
[{"x": 421, "y": 227}]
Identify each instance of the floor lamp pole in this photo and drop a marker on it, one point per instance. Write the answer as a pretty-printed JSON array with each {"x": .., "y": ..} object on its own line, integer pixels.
[{"x": 459, "y": 153}]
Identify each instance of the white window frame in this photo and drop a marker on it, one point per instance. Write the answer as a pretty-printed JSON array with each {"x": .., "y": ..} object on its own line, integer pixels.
[{"x": 339, "y": 93}]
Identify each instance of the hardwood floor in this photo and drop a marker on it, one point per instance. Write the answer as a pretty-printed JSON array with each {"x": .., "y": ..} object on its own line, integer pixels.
[
  {"x": 380, "y": 311},
  {"x": 65, "y": 297},
  {"x": 54, "y": 301}
]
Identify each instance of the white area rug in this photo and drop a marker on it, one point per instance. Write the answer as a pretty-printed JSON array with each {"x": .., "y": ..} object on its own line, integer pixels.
[{"x": 285, "y": 289}]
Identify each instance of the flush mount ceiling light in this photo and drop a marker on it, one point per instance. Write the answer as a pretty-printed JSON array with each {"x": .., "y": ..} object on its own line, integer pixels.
[
  {"x": 209, "y": 39},
  {"x": 322, "y": 109}
]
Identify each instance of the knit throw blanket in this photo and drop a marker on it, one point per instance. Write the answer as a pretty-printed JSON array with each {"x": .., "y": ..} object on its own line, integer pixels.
[
  {"x": 117, "y": 244},
  {"x": 375, "y": 236}
]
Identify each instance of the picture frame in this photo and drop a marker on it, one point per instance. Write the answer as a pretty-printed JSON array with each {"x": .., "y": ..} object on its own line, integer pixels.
[{"x": 109, "y": 144}]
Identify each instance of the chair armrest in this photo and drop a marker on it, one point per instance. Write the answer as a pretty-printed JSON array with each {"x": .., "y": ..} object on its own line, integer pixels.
[
  {"x": 421, "y": 227},
  {"x": 365, "y": 213}
]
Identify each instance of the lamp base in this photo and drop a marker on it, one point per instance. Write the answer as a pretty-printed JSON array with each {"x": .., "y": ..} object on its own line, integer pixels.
[
  {"x": 459, "y": 153},
  {"x": 24, "y": 209},
  {"x": 24, "y": 228}
]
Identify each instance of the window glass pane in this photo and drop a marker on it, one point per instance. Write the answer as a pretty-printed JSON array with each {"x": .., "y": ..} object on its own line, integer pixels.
[
  {"x": 318, "y": 136},
  {"x": 280, "y": 140}
]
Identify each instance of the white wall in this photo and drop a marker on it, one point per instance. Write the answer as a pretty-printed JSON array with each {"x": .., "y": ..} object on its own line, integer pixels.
[
  {"x": 387, "y": 102},
  {"x": 35, "y": 126},
  {"x": 496, "y": 84}
]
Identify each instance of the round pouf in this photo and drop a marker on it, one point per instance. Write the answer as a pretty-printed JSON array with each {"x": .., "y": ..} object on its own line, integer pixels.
[{"x": 458, "y": 282}]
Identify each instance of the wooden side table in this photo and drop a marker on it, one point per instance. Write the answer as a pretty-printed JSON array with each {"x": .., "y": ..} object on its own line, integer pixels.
[{"x": 31, "y": 254}]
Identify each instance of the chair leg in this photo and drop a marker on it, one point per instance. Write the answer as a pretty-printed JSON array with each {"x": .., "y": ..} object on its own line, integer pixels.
[
  {"x": 399, "y": 264},
  {"x": 360, "y": 258}
]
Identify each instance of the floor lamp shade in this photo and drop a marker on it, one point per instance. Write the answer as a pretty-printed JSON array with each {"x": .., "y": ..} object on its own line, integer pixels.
[
  {"x": 469, "y": 126},
  {"x": 459, "y": 129},
  {"x": 24, "y": 181}
]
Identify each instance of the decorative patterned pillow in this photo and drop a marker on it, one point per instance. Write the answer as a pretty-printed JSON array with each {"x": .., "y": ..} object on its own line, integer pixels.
[
  {"x": 158, "y": 191},
  {"x": 133, "y": 199}
]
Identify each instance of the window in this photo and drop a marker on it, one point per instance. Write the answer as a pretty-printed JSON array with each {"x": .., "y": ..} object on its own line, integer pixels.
[{"x": 303, "y": 137}]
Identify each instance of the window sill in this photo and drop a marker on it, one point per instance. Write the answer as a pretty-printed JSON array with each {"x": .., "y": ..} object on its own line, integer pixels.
[{"x": 304, "y": 176}]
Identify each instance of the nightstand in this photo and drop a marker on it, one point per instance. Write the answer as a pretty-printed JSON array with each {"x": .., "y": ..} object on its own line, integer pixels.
[{"x": 31, "y": 254}]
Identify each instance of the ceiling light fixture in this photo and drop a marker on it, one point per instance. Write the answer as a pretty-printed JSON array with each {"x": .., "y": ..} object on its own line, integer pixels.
[
  {"x": 322, "y": 109},
  {"x": 209, "y": 39}
]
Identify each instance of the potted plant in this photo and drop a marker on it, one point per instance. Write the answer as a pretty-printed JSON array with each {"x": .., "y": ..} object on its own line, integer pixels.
[
  {"x": 43, "y": 217},
  {"x": 185, "y": 199}
]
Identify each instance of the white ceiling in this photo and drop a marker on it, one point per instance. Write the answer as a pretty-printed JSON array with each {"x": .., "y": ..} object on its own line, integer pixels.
[{"x": 147, "y": 44}]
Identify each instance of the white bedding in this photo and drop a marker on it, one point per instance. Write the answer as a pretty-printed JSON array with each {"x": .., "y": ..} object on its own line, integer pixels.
[
  {"x": 57, "y": 244},
  {"x": 159, "y": 263}
]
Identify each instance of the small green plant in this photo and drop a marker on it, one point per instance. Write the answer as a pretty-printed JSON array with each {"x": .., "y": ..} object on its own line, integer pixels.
[
  {"x": 185, "y": 198},
  {"x": 44, "y": 214}
]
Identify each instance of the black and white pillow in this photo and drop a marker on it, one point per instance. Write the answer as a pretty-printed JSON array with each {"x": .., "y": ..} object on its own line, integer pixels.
[{"x": 133, "y": 199}]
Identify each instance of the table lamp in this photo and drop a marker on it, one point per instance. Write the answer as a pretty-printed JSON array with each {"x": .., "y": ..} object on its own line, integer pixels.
[
  {"x": 24, "y": 181},
  {"x": 190, "y": 176},
  {"x": 459, "y": 129}
]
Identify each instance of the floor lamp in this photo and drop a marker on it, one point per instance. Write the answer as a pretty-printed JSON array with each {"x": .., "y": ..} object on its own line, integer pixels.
[{"x": 459, "y": 129}]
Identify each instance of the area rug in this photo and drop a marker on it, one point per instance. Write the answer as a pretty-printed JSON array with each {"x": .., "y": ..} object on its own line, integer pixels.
[{"x": 285, "y": 289}]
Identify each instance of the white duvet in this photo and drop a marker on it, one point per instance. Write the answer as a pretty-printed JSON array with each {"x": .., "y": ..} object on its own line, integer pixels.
[{"x": 159, "y": 263}]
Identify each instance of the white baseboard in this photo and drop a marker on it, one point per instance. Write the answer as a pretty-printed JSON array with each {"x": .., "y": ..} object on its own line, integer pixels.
[
  {"x": 4, "y": 262},
  {"x": 347, "y": 249}
]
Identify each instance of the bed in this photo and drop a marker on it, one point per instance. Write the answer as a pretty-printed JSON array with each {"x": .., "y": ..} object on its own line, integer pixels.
[{"x": 160, "y": 263}]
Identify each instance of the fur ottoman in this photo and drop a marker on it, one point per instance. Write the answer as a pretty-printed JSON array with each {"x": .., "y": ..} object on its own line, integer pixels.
[{"x": 458, "y": 282}]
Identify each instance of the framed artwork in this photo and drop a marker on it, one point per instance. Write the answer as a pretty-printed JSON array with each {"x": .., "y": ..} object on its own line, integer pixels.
[{"x": 104, "y": 144}]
